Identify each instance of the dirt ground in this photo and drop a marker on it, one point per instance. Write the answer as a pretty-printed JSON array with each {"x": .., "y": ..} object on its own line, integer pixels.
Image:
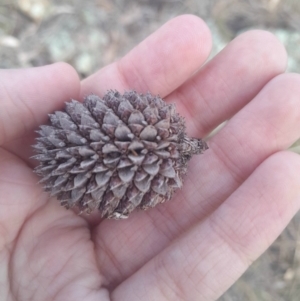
[{"x": 91, "y": 34}]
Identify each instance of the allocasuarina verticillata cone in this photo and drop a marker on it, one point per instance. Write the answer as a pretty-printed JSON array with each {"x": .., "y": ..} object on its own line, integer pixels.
[{"x": 115, "y": 153}]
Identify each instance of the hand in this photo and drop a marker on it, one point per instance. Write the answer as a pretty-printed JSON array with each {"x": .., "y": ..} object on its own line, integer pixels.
[{"x": 236, "y": 199}]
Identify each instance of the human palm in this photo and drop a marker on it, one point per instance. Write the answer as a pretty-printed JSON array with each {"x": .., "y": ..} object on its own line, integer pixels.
[{"x": 236, "y": 199}]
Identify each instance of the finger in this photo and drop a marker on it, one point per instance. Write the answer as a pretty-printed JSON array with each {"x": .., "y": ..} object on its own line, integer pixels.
[
  {"x": 160, "y": 63},
  {"x": 268, "y": 124},
  {"x": 229, "y": 81},
  {"x": 207, "y": 260},
  {"x": 156, "y": 64},
  {"x": 27, "y": 96}
]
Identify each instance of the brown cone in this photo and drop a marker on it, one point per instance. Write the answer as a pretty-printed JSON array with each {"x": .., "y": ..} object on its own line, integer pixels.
[{"x": 114, "y": 154}]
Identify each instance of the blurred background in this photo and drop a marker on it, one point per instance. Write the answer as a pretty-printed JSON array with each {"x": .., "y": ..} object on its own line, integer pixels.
[{"x": 93, "y": 33}]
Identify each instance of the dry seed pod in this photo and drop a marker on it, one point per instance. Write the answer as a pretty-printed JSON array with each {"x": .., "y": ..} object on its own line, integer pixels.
[{"x": 114, "y": 154}]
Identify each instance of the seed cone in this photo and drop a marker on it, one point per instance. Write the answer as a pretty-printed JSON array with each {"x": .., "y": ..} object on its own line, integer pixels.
[{"x": 114, "y": 154}]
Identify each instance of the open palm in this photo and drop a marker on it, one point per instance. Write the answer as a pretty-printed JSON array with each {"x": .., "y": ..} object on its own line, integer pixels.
[{"x": 236, "y": 199}]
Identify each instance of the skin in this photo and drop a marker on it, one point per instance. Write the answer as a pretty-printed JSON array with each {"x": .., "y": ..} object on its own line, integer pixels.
[{"x": 237, "y": 197}]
